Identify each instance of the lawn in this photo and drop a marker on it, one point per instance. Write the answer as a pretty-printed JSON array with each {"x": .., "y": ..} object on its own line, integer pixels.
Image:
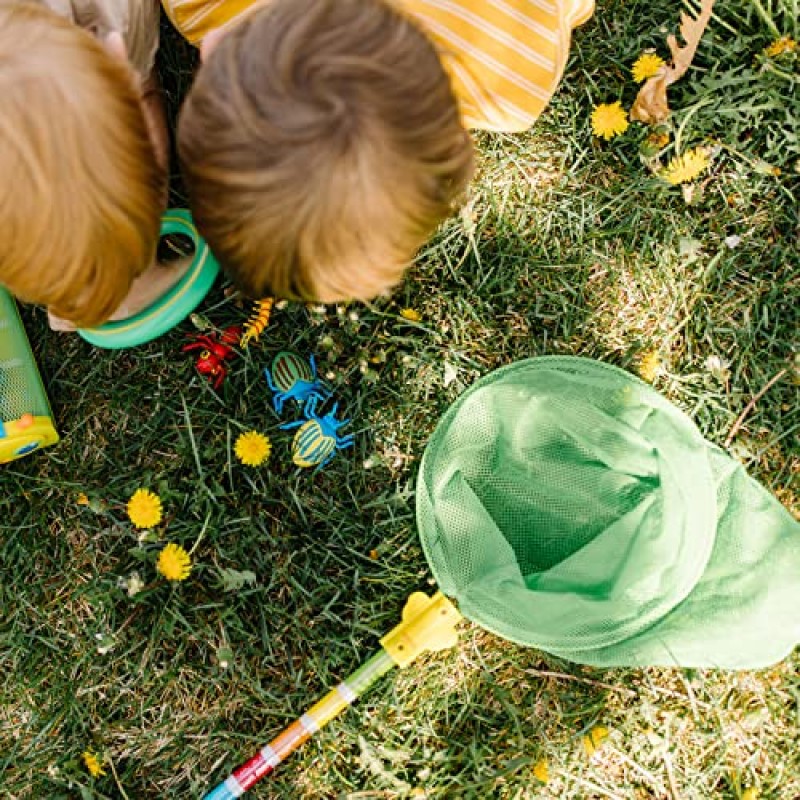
[{"x": 568, "y": 244}]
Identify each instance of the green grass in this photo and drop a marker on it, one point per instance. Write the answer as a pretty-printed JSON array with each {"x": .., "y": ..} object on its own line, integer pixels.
[{"x": 566, "y": 245}]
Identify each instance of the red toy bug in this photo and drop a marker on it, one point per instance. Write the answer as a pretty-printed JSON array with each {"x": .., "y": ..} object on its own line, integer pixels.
[{"x": 215, "y": 351}]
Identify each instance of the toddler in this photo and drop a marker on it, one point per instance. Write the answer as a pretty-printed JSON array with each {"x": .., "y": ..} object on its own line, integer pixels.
[
  {"x": 83, "y": 157},
  {"x": 323, "y": 141}
]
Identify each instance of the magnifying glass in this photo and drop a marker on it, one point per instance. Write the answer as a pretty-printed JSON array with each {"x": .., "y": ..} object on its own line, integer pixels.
[{"x": 172, "y": 307}]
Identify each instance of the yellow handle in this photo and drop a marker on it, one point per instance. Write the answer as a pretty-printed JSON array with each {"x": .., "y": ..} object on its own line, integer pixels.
[
  {"x": 24, "y": 435},
  {"x": 429, "y": 623}
]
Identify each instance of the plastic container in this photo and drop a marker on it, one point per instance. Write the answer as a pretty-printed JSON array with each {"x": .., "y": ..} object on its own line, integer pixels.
[{"x": 26, "y": 421}]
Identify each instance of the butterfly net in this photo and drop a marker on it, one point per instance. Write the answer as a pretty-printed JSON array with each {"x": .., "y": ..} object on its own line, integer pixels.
[{"x": 568, "y": 506}]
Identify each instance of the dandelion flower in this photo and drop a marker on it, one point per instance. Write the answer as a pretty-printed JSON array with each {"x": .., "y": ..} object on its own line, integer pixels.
[
  {"x": 252, "y": 448},
  {"x": 649, "y": 365},
  {"x": 82, "y": 499},
  {"x": 780, "y": 46},
  {"x": 144, "y": 508},
  {"x": 646, "y": 66},
  {"x": 686, "y": 167},
  {"x": 411, "y": 314},
  {"x": 541, "y": 771},
  {"x": 609, "y": 120},
  {"x": 593, "y": 740},
  {"x": 174, "y": 563},
  {"x": 93, "y": 764}
]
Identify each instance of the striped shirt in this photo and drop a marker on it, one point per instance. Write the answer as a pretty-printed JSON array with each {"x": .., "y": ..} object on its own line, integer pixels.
[{"x": 505, "y": 58}]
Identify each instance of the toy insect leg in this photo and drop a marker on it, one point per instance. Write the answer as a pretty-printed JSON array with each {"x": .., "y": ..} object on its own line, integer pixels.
[
  {"x": 325, "y": 462},
  {"x": 289, "y": 425},
  {"x": 268, "y": 376},
  {"x": 311, "y": 405},
  {"x": 278, "y": 397}
]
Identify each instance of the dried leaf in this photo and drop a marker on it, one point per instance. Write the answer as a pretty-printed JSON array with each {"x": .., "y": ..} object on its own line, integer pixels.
[
  {"x": 651, "y": 106},
  {"x": 692, "y": 31}
]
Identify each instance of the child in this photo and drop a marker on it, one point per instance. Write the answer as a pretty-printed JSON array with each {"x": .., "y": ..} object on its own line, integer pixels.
[
  {"x": 83, "y": 156},
  {"x": 324, "y": 140}
]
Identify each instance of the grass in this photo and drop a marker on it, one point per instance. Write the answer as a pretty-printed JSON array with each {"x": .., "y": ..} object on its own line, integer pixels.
[{"x": 566, "y": 245}]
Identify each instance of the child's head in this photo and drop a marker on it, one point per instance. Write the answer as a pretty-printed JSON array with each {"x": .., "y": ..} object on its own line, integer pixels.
[
  {"x": 81, "y": 193},
  {"x": 322, "y": 145}
]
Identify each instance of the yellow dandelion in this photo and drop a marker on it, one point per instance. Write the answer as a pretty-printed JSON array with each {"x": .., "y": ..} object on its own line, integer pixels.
[
  {"x": 649, "y": 365},
  {"x": 780, "y": 46},
  {"x": 174, "y": 563},
  {"x": 541, "y": 771},
  {"x": 686, "y": 167},
  {"x": 252, "y": 448},
  {"x": 646, "y": 66},
  {"x": 609, "y": 120},
  {"x": 93, "y": 764},
  {"x": 411, "y": 314},
  {"x": 144, "y": 509},
  {"x": 593, "y": 740},
  {"x": 82, "y": 499}
]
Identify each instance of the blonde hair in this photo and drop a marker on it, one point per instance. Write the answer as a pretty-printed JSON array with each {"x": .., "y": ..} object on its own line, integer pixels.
[
  {"x": 81, "y": 192},
  {"x": 322, "y": 144}
]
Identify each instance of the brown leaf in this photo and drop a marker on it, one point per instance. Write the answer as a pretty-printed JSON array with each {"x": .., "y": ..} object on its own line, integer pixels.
[{"x": 651, "y": 106}]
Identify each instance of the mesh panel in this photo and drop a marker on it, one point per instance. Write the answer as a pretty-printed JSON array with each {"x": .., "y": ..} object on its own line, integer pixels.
[
  {"x": 568, "y": 506},
  {"x": 21, "y": 390}
]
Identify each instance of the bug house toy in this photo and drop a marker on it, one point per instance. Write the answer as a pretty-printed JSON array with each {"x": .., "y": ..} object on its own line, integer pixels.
[
  {"x": 215, "y": 350},
  {"x": 317, "y": 441},
  {"x": 26, "y": 422},
  {"x": 293, "y": 377}
]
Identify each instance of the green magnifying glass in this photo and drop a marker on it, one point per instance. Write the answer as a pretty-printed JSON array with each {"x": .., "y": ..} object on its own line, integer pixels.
[{"x": 172, "y": 307}]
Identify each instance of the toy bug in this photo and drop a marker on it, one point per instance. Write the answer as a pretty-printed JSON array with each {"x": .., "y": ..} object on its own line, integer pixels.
[
  {"x": 215, "y": 351},
  {"x": 259, "y": 319},
  {"x": 317, "y": 440},
  {"x": 292, "y": 376}
]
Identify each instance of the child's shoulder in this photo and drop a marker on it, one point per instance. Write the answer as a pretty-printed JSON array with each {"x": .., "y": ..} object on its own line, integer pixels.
[{"x": 136, "y": 20}]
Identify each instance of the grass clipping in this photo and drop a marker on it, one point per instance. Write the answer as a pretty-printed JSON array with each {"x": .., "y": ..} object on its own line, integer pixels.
[{"x": 651, "y": 106}]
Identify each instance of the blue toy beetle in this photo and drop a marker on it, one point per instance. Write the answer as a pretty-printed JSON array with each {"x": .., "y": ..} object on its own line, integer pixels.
[
  {"x": 316, "y": 441},
  {"x": 292, "y": 376}
]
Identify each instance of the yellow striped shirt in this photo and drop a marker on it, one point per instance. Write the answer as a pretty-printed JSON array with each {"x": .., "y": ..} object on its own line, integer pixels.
[{"x": 504, "y": 57}]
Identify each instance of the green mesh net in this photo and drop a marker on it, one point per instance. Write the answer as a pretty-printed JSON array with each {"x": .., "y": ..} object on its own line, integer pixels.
[{"x": 568, "y": 506}]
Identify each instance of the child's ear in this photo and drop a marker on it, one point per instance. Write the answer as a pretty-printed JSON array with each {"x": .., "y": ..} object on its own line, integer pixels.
[
  {"x": 115, "y": 46},
  {"x": 210, "y": 41}
]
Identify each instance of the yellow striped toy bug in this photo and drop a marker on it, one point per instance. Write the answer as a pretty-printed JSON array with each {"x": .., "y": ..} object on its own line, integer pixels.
[
  {"x": 259, "y": 319},
  {"x": 317, "y": 441},
  {"x": 292, "y": 376}
]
